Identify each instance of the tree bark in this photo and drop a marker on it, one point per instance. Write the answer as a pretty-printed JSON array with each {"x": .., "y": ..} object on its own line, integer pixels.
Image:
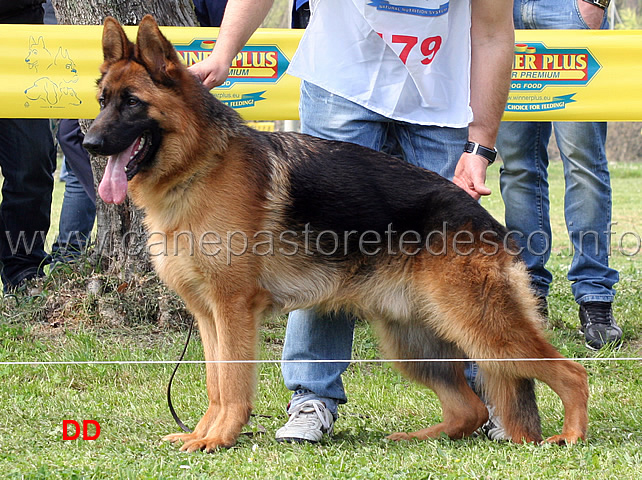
[
  {"x": 121, "y": 242},
  {"x": 127, "y": 12}
]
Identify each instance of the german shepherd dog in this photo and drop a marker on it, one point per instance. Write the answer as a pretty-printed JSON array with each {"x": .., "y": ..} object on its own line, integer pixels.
[{"x": 286, "y": 221}]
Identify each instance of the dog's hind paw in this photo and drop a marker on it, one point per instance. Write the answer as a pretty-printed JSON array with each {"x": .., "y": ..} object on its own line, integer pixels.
[
  {"x": 565, "y": 439},
  {"x": 397, "y": 437}
]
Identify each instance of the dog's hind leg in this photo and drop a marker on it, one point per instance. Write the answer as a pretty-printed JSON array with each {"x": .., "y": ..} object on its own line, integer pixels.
[
  {"x": 490, "y": 312},
  {"x": 513, "y": 330},
  {"x": 508, "y": 386},
  {"x": 463, "y": 411},
  {"x": 569, "y": 380}
]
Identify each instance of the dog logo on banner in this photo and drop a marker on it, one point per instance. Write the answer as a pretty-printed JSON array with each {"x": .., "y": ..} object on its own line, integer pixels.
[{"x": 57, "y": 75}]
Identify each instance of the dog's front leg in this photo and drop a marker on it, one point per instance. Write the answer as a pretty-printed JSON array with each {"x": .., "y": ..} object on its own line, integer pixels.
[
  {"x": 207, "y": 330},
  {"x": 236, "y": 336}
]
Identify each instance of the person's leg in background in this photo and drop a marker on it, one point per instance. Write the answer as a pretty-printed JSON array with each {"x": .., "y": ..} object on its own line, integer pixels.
[
  {"x": 28, "y": 161},
  {"x": 76, "y": 221},
  {"x": 587, "y": 209},
  {"x": 524, "y": 187},
  {"x": 308, "y": 335},
  {"x": 430, "y": 147},
  {"x": 209, "y": 13},
  {"x": 587, "y": 200},
  {"x": 79, "y": 203}
]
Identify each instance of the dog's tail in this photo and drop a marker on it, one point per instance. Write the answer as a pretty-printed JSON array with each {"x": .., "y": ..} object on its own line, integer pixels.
[{"x": 513, "y": 407}]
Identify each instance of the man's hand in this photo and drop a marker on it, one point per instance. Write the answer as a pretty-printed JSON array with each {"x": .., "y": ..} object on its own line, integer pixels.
[
  {"x": 210, "y": 72},
  {"x": 241, "y": 19},
  {"x": 492, "y": 51},
  {"x": 470, "y": 175}
]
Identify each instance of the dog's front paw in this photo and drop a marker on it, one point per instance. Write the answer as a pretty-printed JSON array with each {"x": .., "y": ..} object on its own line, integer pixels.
[
  {"x": 209, "y": 444},
  {"x": 193, "y": 442},
  {"x": 179, "y": 437}
]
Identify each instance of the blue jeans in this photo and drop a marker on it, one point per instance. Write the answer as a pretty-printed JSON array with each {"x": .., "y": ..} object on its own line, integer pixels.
[
  {"x": 28, "y": 160},
  {"x": 309, "y": 335},
  {"x": 76, "y": 220},
  {"x": 587, "y": 199},
  {"x": 79, "y": 202}
]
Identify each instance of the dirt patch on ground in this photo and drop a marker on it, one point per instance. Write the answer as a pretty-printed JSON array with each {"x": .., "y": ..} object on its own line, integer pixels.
[{"x": 76, "y": 296}]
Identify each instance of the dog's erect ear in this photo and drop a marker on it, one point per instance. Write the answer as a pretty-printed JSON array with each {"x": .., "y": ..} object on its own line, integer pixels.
[
  {"x": 154, "y": 50},
  {"x": 116, "y": 45}
]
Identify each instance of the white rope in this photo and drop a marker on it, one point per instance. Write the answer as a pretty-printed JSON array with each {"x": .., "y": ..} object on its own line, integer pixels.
[{"x": 382, "y": 360}]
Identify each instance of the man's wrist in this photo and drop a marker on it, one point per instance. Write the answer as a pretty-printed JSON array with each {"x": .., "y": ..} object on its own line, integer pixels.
[
  {"x": 603, "y": 4},
  {"x": 474, "y": 148}
]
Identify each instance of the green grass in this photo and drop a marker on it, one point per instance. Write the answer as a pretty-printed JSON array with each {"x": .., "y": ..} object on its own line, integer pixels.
[{"x": 129, "y": 400}]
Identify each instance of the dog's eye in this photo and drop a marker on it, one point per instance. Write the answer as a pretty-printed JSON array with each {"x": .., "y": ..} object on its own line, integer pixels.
[
  {"x": 132, "y": 101},
  {"x": 101, "y": 102}
]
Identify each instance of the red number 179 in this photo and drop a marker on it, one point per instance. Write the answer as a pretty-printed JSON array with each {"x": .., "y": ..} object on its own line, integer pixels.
[{"x": 429, "y": 47}]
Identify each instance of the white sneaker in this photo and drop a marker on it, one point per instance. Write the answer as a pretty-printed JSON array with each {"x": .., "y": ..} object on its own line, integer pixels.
[
  {"x": 308, "y": 422},
  {"x": 493, "y": 428}
]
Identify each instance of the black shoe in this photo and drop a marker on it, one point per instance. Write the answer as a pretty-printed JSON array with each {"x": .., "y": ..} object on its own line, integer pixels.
[
  {"x": 598, "y": 325},
  {"x": 30, "y": 286}
]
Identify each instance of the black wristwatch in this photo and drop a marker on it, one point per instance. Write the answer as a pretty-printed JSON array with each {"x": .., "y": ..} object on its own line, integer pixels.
[
  {"x": 603, "y": 4},
  {"x": 476, "y": 149}
]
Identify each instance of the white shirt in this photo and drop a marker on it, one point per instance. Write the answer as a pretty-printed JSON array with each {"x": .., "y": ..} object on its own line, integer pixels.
[{"x": 406, "y": 59}]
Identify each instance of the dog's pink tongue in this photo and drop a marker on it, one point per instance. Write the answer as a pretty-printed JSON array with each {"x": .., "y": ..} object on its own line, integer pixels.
[{"x": 113, "y": 186}]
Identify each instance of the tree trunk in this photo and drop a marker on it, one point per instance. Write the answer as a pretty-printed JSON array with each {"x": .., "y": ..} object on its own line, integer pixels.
[
  {"x": 121, "y": 241},
  {"x": 127, "y": 12}
]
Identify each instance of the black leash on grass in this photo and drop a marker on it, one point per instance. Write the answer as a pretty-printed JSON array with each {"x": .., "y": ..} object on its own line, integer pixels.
[{"x": 178, "y": 421}]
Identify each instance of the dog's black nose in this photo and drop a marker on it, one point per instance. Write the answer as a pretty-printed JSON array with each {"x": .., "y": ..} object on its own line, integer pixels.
[{"x": 93, "y": 143}]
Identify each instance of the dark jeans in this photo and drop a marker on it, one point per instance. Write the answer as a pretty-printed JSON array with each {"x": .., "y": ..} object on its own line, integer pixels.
[
  {"x": 209, "y": 13},
  {"x": 28, "y": 160},
  {"x": 301, "y": 15}
]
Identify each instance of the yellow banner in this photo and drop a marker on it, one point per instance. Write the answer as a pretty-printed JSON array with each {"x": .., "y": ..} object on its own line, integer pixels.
[
  {"x": 582, "y": 75},
  {"x": 50, "y": 71}
]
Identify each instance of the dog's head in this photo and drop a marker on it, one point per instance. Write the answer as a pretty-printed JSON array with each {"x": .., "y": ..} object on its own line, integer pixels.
[
  {"x": 38, "y": 55},
  {"x": 135, "y": 93}
]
